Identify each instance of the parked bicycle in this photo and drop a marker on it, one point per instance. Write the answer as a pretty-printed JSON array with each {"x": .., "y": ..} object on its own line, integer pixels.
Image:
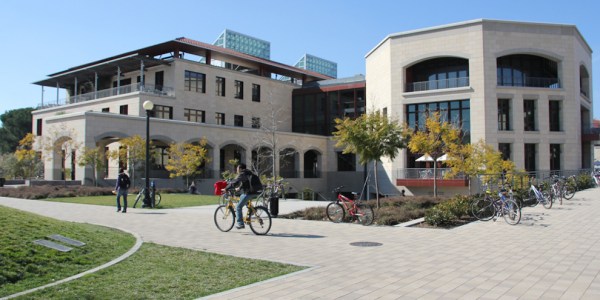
[
  {"x": 505, "y": 205},
  {"x": 257, "y": 217},
  {"x": 336, "y": 210},
  {"x": 561, "y": 189},
  {"x": 153, "y": 193},
  {"x": 538, "y": 195}
]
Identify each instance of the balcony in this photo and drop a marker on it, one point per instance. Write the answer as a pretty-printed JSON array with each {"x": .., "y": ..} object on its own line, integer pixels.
[
  {"x": 126, "y": 89},
  {"x": 536, "y": 82},
  {"x": 437, "y": 84},
  {"x": 418, "y": 177}
]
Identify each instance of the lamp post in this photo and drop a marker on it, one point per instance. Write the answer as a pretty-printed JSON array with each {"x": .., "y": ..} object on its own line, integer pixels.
[{"x": 148, "y": 106}]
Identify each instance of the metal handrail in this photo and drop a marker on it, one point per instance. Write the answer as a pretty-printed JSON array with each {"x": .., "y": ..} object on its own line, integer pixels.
[{"x": 437, "y": 84}]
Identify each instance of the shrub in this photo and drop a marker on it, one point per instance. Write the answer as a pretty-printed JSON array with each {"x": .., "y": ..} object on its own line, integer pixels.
[{"x": 449, "y": 212}]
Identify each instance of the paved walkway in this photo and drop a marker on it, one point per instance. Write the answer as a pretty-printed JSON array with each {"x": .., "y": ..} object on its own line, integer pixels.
[{"x": 552, "y": 254}]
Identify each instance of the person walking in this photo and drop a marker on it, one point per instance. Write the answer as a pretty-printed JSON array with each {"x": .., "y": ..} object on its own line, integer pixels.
[{"x": 121, "y": 188}]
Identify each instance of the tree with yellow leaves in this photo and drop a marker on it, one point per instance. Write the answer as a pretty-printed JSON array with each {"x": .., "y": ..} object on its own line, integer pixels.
[
  {"x": 27, "y": 158},
  {"x": 185, "y": 159},
  {"x": 371, "y": 136},
  {"x": 132, "y": 151},
  {"x": 436, "y": 140},
  {"x": 94, "y": 158}
]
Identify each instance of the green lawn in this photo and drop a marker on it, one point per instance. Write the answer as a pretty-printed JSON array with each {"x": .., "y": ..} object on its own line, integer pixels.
[
  {"x": 154, "y": 272},
  {"x": 168, "y": 200}
]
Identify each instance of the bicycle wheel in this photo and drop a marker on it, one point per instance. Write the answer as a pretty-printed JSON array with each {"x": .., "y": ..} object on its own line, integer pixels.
[
  {"x": 568, "y": 192},
  {"x": 138, "y": 198},
  {"x": 260, "y": 220},
  {"x": 511, "y": 212},
  {"x": 335, "y": 212},
  {"x": 483, "y": 209},
  {"x": 365, "y": 214},
  {"x": 547, "y": 200},
  {"x": 157, "y": 199},
  {"x": 224, "y": 218}
]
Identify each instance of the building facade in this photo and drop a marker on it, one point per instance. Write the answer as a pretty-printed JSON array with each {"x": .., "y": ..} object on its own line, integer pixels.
[{"x": 523, "y": 87}]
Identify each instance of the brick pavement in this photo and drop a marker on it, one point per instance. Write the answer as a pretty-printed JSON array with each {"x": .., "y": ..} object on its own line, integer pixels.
[{"x": 551, "y": 254}]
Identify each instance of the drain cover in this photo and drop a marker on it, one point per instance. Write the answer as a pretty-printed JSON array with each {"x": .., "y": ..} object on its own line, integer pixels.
[{"x": 366, "y": 244}]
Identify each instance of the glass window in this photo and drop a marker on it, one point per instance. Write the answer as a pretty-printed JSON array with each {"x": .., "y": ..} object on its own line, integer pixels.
[
  {"x": 554, "y": 110},
  {"x": 220, "y": 86},
  {"x": 195, "y": 82},
  {"x": 255, "y": 92},
  {"x": 38, "y": 127},
  {"x": 504, "y": 149},
  {"x": 238, "y": 121},
  {"x": 163, "y": 112},
  {"x": 555, "y": 156},
  {"x": 530, "y": 156},
  {"x": 105, "y": 109},
  {"x": 220, "y": 118},
  {"x": 346, "y": 162},
  {"x": 503, "y": 114},
  {"x": 255, "y": 122},
  {"x": 529, "y": 115},
  {"x": 194, "y": 115},
  {"x": 123, "y": 109},
  {"x": 239, "y": 89}
]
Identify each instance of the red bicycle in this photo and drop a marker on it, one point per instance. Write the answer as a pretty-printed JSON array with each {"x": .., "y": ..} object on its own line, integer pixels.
[{"x": 336, "y": 210}]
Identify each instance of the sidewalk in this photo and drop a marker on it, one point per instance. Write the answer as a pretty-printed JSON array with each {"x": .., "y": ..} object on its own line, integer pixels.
[{"x": 552, "y": 254}]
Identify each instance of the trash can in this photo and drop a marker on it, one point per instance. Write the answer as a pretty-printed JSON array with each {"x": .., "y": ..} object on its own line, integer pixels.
[
  {"x": 274, "y": 206},
  {"x": 2, "y": 180}
]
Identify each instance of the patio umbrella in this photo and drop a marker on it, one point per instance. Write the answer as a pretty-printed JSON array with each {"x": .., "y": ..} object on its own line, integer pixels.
[
  {"x": 443, "y": 157},
  {"x": 425, "y": 157}
]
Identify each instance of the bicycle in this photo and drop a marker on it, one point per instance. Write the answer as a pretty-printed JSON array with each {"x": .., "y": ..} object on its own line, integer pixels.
[
  {"x": 544, "y": 198},
  {"x": 488, "y": 207},
  {"x": 257, "y": 217},
  {"x": 153, "y": 193},
  {"x": 336, "y": 212}
]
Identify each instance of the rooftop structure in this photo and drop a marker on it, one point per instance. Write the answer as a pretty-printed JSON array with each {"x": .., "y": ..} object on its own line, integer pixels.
[
  {"x": 244, "y": 43},
  {"x": 317, "y": 64}
]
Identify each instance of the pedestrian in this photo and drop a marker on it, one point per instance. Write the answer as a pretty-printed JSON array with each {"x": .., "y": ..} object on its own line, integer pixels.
[
  {"x": 192, "y": 188},
  {"x": 121, "y": 188}
]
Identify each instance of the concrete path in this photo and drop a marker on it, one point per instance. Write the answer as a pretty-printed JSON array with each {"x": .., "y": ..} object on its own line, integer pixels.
[{"x": 552, "y": 254}]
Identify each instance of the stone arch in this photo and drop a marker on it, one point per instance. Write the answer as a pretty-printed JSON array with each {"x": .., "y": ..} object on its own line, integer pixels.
[{"x": 437, "y": 72}]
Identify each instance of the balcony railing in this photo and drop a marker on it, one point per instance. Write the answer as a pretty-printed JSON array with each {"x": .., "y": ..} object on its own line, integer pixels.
[
  {"x": 437, "y": 84},
  {"x": 540, "y": 82},
  {"x": 158, "y": 90}
]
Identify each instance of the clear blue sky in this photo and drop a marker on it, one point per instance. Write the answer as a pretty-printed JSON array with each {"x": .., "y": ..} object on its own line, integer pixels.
[{"x": 43, "y": 37}]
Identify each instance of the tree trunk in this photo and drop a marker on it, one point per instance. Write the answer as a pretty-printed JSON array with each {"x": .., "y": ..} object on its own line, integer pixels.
[
  {"x": 435, "y": 193},
  {"x": 376, "y": 184}
]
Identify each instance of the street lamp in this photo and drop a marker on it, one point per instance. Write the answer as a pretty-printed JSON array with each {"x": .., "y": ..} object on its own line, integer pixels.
[{"x": 148, "y": 106}]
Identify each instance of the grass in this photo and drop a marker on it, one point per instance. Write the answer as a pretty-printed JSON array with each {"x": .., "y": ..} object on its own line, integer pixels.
[
  {"x": 168, "y": 200},
  {"x": 25, "y": 265},
  {"x": 168, "y": 272}
]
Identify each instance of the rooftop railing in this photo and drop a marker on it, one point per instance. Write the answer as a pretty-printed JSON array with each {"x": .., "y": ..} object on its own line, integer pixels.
[
  {"x": 437, "y": 84},
  {"x": 158, "y": 90}
]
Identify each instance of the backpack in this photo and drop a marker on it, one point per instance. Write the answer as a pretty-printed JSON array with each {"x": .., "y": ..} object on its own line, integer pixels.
[
  {"x": 255, "y": 184},
  {"x": 124, "y": 181}
]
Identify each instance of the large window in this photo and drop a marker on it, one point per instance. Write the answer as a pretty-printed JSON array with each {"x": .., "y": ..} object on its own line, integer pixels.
[
  {"x": 255, "y": 122},
  {"x": 530, "y": 157},
  {"x": 195, "y": 82},
  {"x": 505, "y": 150},
  {"x": 163, "y": 112},
  {"x": 255, "y": 92},
  {"x": 555, "y": 154},
  {"x": 220, "y": 86},
  {"x": 194, "y": 115},
  {"x": 38, "y": 127},
  {"x": 220, "y": 118},
  {"x": 438, "y": 73},
  {"x": 527, "y": 70},
  {"x": 238, "y": 121},
  {"x": 529, "y": 115},
  {"x": 239, "y": 89},
  {"x": 504, "y": 114},
  {"x": 554, "y": 118},
  {"x": 123, "y": 109},
  {"x": 346, "y": 162},
  {"x": 456, "y": 112}
]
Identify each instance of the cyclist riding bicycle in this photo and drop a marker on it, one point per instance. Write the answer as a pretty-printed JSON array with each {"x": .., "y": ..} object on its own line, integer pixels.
[{"x": 245, "y": 182}]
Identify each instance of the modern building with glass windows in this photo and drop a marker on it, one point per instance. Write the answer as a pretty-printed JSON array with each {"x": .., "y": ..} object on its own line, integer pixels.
[
  {"x": 522, "y": 87},
  {"x": 244, "y": 43},
  {"x": 317, "y": 64}
]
